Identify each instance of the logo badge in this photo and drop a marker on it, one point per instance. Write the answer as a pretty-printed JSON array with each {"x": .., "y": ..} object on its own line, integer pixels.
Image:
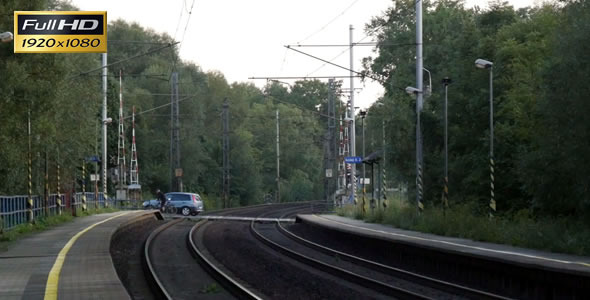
[{"x": 60, "y": 31}]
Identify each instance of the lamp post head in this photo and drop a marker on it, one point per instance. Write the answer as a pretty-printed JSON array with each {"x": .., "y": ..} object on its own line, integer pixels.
[
  {"x": 412, "y": 90},
  {"x": 483, "y": 64}
]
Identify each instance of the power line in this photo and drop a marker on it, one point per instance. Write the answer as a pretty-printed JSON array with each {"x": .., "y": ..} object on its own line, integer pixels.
[
  {"x": 179, "y": 18},
  {"x": 190, "y": 13},
  {"x": 345, "y": 68},
  {"x": 333, "y": 45},
  {"x": 125, "y": 59},
  {"x": 331, "y": 21},
  {"x": 353, "y": 44},
  {"x": 136, "y": 42},
  {"x": 347, "y": 49},
  {"x": 175, "y": 62},
  {"x": 301, "y": 77},
  {"x": 161, "y": 106},
  {"x": 300, "y": 107}
]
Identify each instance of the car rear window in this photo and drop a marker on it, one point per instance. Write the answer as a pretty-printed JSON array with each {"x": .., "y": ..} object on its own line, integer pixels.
[{"x": 180, "y": 197}]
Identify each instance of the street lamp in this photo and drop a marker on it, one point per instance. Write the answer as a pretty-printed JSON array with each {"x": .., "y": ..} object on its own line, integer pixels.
[
  {"x": 6, "y": 37},
  {"x": 446, "y": 81},
  {"x": 429, "y": 89},
  {"x": 485, "y": 64},
  {"x": 414, "y": 91}
]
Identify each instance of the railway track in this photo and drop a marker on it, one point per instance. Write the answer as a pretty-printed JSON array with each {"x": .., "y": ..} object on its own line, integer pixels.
[
  {"x": 171, "y": 252},
  {"x": 361, "y": 275},
  {"x": 455, "y": 290}
]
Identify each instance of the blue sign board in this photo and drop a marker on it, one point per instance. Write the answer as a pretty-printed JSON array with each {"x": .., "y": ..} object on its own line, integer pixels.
[
  {"x": 353, "y": 159},
  {"x": 93, "y": 158}
]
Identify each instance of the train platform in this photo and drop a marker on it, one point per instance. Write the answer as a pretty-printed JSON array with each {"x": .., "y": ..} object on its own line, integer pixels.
[
  {"x": 69, "y": 261},
  {"x": 529, "y": 258}
]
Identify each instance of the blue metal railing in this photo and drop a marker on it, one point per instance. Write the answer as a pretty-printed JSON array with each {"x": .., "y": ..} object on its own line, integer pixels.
[{"x": 13, "y": 209}]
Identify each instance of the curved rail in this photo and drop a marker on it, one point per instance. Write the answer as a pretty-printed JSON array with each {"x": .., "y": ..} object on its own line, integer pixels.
[
  {"x": 414, "y": 277},
  {"x": 156, "y": 285},
  {"x": 229, "y": 283},
  {"x": 356, "y": 278}
]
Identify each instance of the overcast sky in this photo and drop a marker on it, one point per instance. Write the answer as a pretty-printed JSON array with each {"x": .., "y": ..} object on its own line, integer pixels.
[{"x": 244, "y": 39}]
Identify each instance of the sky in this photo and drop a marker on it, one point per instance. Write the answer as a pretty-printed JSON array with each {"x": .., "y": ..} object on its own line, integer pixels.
[{"x": 244, "y": 39}]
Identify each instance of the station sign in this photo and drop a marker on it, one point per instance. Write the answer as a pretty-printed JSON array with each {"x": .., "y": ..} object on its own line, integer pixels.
[
  {"x": 353, "y": 160},
  {"x": 60, "y": 32}
]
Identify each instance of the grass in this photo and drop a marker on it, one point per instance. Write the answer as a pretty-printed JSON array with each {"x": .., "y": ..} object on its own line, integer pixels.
[
  {"x": 212, "y": 288},
  {"x": 44, "y": 223},
  {"x": 521, "y": 229}
]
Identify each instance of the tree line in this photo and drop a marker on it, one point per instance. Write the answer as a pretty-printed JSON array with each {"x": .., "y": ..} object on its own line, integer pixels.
[
  {"x": 64, "y": 102},
  {"x": 540, "y": 102},
  {"x": 540, "y": 118}
]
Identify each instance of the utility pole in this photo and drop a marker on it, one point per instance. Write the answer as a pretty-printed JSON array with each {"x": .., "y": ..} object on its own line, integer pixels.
[
  {"x": 330, "y": 145},
  {"x": 176, "y": 170},
  {"x": 352, "y": 127},
  {"x": 104, "y": 126},
  {"x": 419, "y": 99},
  {"x": 134, "y": 168},
  {"x": 226, "y": 166},
  {"x": 121, "y": 163},
  {"x": 278, "y": 164}
]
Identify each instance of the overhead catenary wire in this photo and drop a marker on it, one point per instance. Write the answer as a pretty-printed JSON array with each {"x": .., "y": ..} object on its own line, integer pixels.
[
  {"x": 354, "y": 44},
  {"x": 347, "y": 49},
  {"x": 136, "y": 42},
  {"x": 331, "y": 21},
  {"x": 271, "y": 78},
  {"x": 124, "y": 60},
  {"x": 190, "y": 12},
  {"x": 182, "y": 8},
  {"x": 161, "y": 106},
  {"x": 345, "y": 68},
  {"x": 300, "y": 107}
]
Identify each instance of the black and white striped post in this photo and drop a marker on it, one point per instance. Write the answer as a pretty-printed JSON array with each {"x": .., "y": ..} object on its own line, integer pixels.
[
  {"x": 58, "y": 200},
  {"x": 46, "y": 188},
  {"x": 83, "y": 185},
  {"x": 446, "y": 81},
  {"x": 418, "y": 92},
  {"x": 30, "y": 215},
  {"x": 485, "y": 64},
  {"x": 492, "y": 196},
  {"x": 383, "y": 181}
]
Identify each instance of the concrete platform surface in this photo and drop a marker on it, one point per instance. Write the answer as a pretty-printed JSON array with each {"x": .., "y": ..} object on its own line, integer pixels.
[
  {"x": 74, "y": 255},
  {"x": 530, "y": 258}
]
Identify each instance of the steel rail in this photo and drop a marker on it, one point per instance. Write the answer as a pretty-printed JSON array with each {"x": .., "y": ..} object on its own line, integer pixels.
[
  {"x": 229, "y": 283},
  {"x": 410, "y": 276},
  {"x": 157, "y": 285},
  {"x": 339, "y": 272}
]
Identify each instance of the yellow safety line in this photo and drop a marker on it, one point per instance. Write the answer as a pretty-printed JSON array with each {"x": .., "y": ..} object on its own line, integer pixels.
[
  {"x": 458, "y": 245},
  {"x": 53, "y": 279}
]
